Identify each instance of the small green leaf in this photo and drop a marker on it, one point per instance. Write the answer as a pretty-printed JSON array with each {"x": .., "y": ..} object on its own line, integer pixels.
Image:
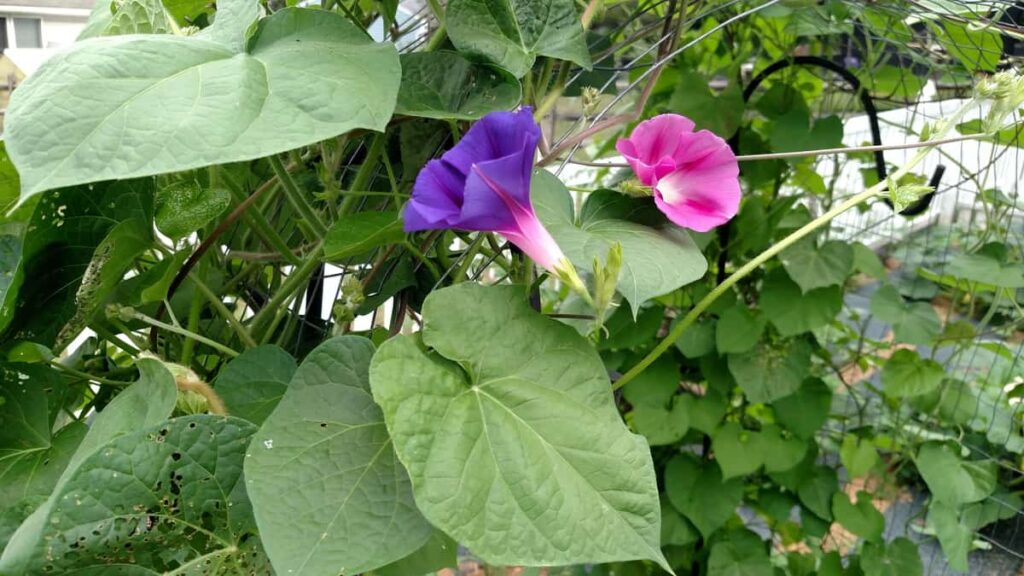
[
  {"x": 696, "y": 489},
  {"x": 324, "y": 456},
  {"x": 357, "y": 234},
  {"x": 865, "y": 260},
  {"x": 698, "y": 339},
  {"x": 952, "y": 479},
  {"x": 780, "y": 451},
  {"x": 447, "y": 86},
  {"x": 721, "y": 114},
  {"x": 252, "y": 384},
  {"x": 899, "y": 557},
  {"x": 913, "y": 323},
  {"x": 766, "y": 374},
  {"x": 815, "y": 490},
  {"x": 658, "y": 256},
  {"x": 705, "y": 412},
  {"x": 514, "y": 32},
  {"x": 794, "y": 131},
  {"x": 740, "y": 553},
  {"x": 662, "y": 426},
  {"x": 955, "y": 538},
  {"x": 862, "y": 518},
  {"x": 816, "y": 267},
  {"x": 806, "y": 410},
  {"x": 737, "y": 450},
  {"x": 625, "y": 331},
  {"x": 522, "y": 406},
  {"x": 200, "y": 100},
  {"x": 738, "y": 329},
  {"x": 858, "y": 455},
  {"x": 676, "y": 530},
  {"x": 907, "y": 374},
  {"x": 794, "y": 312},
  {"x": 184, "y": 207}
]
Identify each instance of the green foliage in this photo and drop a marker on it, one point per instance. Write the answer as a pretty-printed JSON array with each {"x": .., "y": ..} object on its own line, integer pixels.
[
  {"x": 445, "y": 85},
  {"x": 512, "y": 34},
  {"x": 324, "y": 456},
  {"x": 658, "y": 257},
  {"x": 472, "y": 416},
  {"x": 185, "y": 91},
  {"x": 199, "y": 181}
]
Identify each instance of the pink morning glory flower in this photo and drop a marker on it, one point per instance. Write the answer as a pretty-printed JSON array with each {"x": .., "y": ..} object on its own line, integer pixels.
[
  {"x": 483, "y": 184},
  {"x": 694, "y": 175}
]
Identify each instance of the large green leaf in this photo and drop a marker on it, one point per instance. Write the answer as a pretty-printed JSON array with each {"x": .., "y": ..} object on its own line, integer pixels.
[
  {"x": 697, "y": 490},
  {"x": 813, "y": 266},
  {"x": 506, "y": 423},
  {"x": 978, "y": 49},
  {"x": 512, "y": 33},
  {"x": 951, "y": 478},
  {"x": 145, "y": 403},
  {"x": 956, "y": 538},
  {"x": 447, "y": 86},
  {"x": 168, "y": 497},
  {"x": 913, "y": 323},
  {"x": 326, "y": 487},
  {"x": 766, "y": 374},
  {"x": 738, "y": 329},
  {"x": 77, "y": 248},
  {"x": 196, "y": 101},
  {"x": 740, "y": 451},
  {"x": 657, "y": 257},
  {"x": 252, "y": 384}
]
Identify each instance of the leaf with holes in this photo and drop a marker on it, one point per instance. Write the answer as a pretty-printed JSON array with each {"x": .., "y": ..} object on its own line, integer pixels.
[
  {"x": 163, "y": 498},
  {"x": 506, "y": 423},
  {"x": 198, "y": 100},
  {"x": 145, "y": 403},
  {"x": 658, "y": 257},
  {"x": 512, "y": 33},
  {"x": 447, "y": 86},
  {"x": 327, "y": 490},
  {"x": 77, "y": 248}
]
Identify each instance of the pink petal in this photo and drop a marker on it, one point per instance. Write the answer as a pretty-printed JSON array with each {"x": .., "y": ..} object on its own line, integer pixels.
[
  {"x": 650, "y": 149},
  {"x": 702, "y": 198}
]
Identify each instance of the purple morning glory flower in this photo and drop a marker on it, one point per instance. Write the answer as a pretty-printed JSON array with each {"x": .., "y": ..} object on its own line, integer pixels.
[{"x": 483, "y": 184}]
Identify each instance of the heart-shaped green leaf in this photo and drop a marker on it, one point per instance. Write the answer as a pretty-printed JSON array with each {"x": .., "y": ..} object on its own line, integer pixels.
[
  {"x": 326, "y": 487},
  {"x": 657, "y": 257},
  {"x": 697, "y": 490},
  {"x": 506, "y": 423},
  {"x": 794, "y": 312},
  {"x": 804, "y": 411},
  {"x": 766, "y": 374},
  {"x": 447, "y": 86},
  {"x": 252, "y": 384},
  {"x": 512, "y": 33},
  {"x": 951, "y": 478},
  {"x": 813, "y": 266},
  {"x": 913, "y": 323},
  {"x": 184, "y": 207},
  {"x": 196, "y": 101},
  {"x": 862, "y": 518},
  {"x": 907, "y": 374}
]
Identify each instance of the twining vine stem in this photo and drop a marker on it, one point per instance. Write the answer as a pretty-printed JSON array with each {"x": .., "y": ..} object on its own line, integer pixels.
[{"x": 754, "y": 264}]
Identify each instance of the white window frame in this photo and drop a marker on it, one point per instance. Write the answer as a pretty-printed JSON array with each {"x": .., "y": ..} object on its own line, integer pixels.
[{"x": 12, "y": 41}]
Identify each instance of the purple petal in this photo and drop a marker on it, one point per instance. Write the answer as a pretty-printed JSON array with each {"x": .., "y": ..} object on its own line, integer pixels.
[
  {"x": 497, "y": 135},
  {"x": 436, "y": 198},
  {"x": 494, "y": 189}
]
